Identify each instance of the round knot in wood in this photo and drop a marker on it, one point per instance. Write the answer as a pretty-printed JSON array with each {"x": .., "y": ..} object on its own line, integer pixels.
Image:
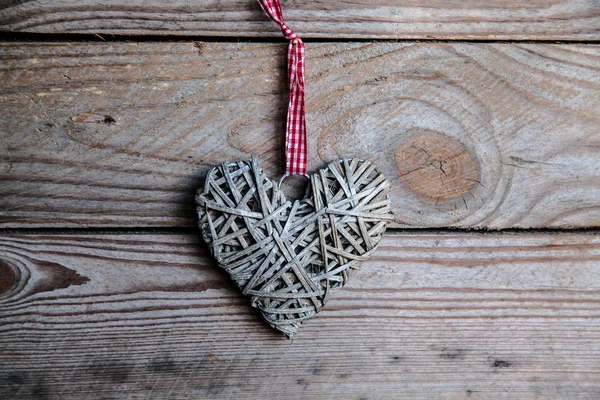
[
  {"x": 10, "y": 278},
  {"x": 436, "y": 166}
]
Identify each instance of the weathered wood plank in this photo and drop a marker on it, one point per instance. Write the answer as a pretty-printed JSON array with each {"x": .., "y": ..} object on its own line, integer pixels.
[
  {"x": 470, "y": 135},
  {"x": 396, "y": 19},
  {"x": 438, "y": 315}
]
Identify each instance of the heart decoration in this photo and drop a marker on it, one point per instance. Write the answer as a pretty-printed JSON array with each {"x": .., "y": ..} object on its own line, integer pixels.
[{"x": 287, "y": 256}]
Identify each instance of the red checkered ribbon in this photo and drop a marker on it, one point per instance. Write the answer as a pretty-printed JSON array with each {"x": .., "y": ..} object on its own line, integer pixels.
[{"x": 295, "y": 131}]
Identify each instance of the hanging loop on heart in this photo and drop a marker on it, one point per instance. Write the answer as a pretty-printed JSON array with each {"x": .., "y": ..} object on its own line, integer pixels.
[
  {"x": 295, "y": 130},
  {"x": 294, "y": 189}
]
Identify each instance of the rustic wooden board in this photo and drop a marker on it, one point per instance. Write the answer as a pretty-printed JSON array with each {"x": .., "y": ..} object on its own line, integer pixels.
[
  {"x": 470, "y": 135},
  {"x": 458, "y": 315},
  {"x": 396, "y": 19}
]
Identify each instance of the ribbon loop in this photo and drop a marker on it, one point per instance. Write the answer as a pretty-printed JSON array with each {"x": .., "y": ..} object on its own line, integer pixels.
[
  {"x": 287, "y": 32},
  {"x": 295, "y": 135}
]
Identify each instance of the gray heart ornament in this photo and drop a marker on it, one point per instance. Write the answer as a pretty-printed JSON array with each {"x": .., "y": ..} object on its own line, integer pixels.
[{"x": 289, "y": 256}]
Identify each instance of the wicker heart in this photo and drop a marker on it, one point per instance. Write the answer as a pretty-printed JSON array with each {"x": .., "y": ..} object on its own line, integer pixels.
[{"x": 289, "y": 257}]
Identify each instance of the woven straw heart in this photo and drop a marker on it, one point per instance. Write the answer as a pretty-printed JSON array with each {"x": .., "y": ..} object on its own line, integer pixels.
[{"x": 289, "y": 257}]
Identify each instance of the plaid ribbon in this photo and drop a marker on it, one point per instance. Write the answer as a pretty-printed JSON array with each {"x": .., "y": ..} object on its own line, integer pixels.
[{"x": 295, "y": 131}]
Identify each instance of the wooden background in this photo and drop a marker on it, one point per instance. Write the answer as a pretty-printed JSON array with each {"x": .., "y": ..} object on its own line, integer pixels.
[{"x": 488, "y": 127}]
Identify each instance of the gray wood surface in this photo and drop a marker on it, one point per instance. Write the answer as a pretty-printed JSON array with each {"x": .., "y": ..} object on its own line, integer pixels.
[
  {"x": 435, "y": 315},
  {"x": 470, "y": 135},
  {"x": 396, "y": 19}
]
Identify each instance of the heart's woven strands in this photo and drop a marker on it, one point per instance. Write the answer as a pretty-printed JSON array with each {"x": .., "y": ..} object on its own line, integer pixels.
[{"x": 289, "y": 257}]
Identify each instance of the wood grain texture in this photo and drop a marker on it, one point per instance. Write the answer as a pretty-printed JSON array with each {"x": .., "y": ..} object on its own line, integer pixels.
[
  {"x": 396, "y": 19},
  {"x": 470, "y": 135},
  {"x": 448, "y": 316}
]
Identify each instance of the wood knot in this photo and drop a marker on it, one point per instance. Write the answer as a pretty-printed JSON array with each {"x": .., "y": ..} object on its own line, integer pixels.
[
  {"x": 11, "y": 275},
  {"x": 436, "y": 166}
]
